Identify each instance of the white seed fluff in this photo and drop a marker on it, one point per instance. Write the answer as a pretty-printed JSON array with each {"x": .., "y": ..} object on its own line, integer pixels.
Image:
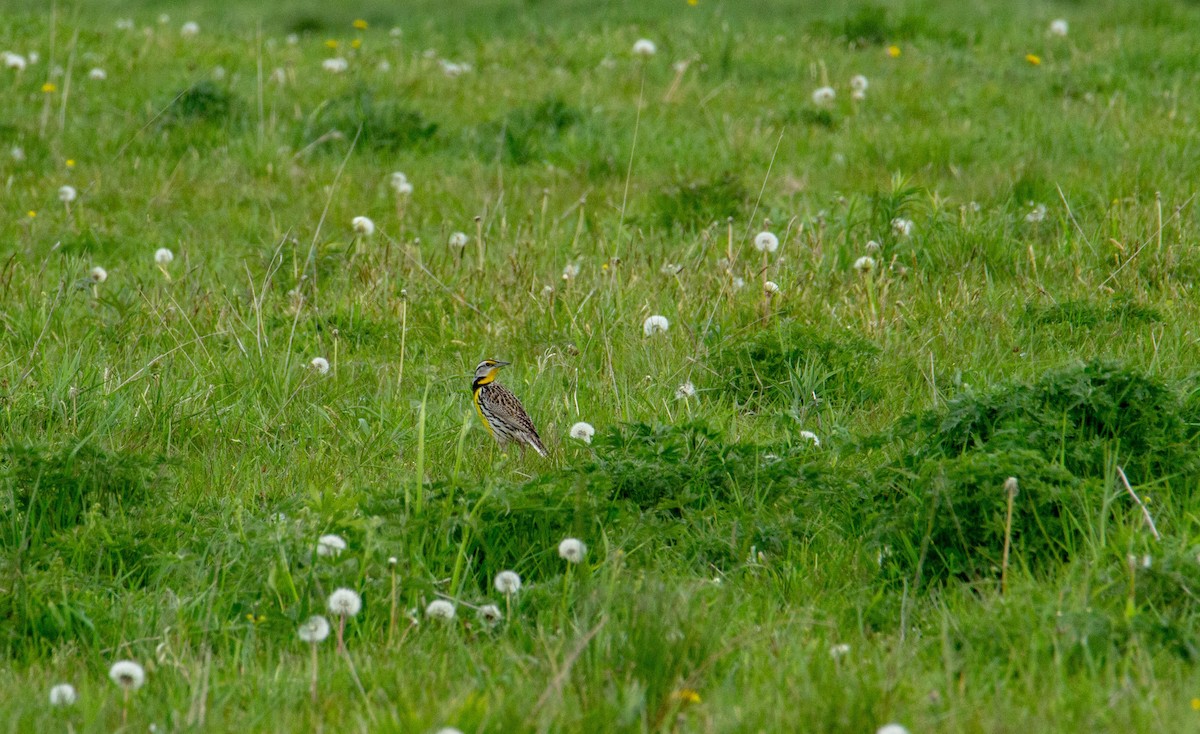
[
  {"x": 458, "y": 240},
  {"x": 859, "y": 83},
  {"x": 902, "y": 227},
  {"x": 583, "y": 431},
  {"x": 440, "y": 609},
  {"x": 685, "y": 391},
  {"x": 490, "y": 615},
  {"x": 401, "y": 184},
  {"x": 320, "y": 364},
  {"x": 507, "y": 582},
  {"x": 823, "y": 95},
  {"x": 344, "y": 603},
  {"x": 314, "y": 629},
  {"x": 330, "y": 545},
  {"x": 809, "y": 435},
  {"x": 62, "y": 694},
  {"x": 97, "y": 74},
  {"x": 99, "y": 274},
  {"x": 655, "y": 324},
  {"x": 644, "y": 47},
  {"x": 363, "y": 226},
  {"x": 335, "y": 65},
  {"x": 771, "y": 288},
  {"x": 766, "y": 242},
  {"x": 572, "y": 550},
  {"x": 864, "y": 265},
  {"x": 163, "y": 256},
  {"x": 127, "y": 674},
  {"x": 67, "y": 194},
  {"x": 892, "y": 729},
  {"x": 190, "y": 29},
  {"x": 1059, "y": 27}
]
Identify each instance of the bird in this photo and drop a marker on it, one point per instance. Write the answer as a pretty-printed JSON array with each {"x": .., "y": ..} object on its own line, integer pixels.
[{"x": 501, "y": 411}]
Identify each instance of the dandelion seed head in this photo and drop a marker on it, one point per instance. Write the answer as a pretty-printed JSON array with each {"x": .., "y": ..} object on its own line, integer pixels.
[
  {"x": 507, "y": 582},
  {"x": 314, "y": 629},
  {"x": 17, "y": 153},
  {"x": 190, "y": 29},
  {"x": 771, "y": 288},
  {"x": 1036, "y": 214},
  {"x": 864, "y": 265},
  {"x": 902, "y": 227},
  {"x": 739, "y": 283},
  {"x": 99, "y": 274},
  {"x": 891, "y": 729},
  {"x": 572, "y": 550},
  {"x": 124, "y": 24},
  {"x": 336, "y": 65},
  {"x": 363, "y": 226},
  {"x": 67, "y": 194},
  {"x": 330, "y": 545},
  {"x": 449, "y": 730},
  {"x": 127, "y": 674},
  {"x": 685, "y": 391},
  {"x": 97, "y": 74},
  {"x": 655, "y": 324},
  {"x": 392, "y": 561},
  {"x": 583, "y": 431},
  {"x": 822, "y": 96},
  {"x": 810, "y": 436},
  {"x": 859, "y": 83},
  {"x": 163, "y": 256},
  {"x": 644, "y": 47},
  {"x": 838, "y": 650},
  {"x": 570, "y": 270},
  {"x": 858, "y": 95},
  {"x": 13, "y": 61},
  {"x": 320, "y": 364},
  {"x": 490, "y": 615},
  {"x": 400, "y": 184},
  {"x": 1059, "y": 27},
  {"x": 873, "y": 247},
  {"x": 440, "y": 609},
  {"x": 1010, "y": 486},
  {"x": 62, "y": 694},
  {"x": 458, "y": 240},
  {"x": 766, "y": 242},
  {"x": 344, "y": 602}
]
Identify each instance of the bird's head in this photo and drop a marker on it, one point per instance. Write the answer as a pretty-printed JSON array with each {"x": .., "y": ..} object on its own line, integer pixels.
[{"x": 487, "y": 370}]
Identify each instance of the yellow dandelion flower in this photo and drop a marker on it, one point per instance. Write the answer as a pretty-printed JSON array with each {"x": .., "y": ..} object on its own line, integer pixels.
[
  {"x": 360, "y": 24},
  {"x": 356, "y": 43},
  {"x": 1196, "y": 704},
  {"x": 894, "y": 52},
  {"x": 49, "y": 87},
  {"x": 331, "y": 43},
  {"x": 70, "y": 163},
  {"x": 31, "y": 213},
  {"x": 693, "y": 3},
  {"x": 686, "y": 695},
  {"x": 1034, "y": 59}
]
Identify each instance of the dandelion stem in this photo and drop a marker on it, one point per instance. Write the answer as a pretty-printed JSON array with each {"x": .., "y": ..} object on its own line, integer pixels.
[
  {"x": 393, "y": 616},
  {"x": 1007, "y": 543},
  {"x": 341, "y": 633},
  {"x": 1138, "y": 500},
  {"x": 312, "y": 686}
]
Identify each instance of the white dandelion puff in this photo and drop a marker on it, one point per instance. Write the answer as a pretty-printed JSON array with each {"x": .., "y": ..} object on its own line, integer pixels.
[
  {"x": 336, "y": 65},
  {"x": 98, "y": 274},
  {"x": 13, "y": 61},
  {"x": 1059, "y": 27},
  {"x": 839, "y": 650},
  {"x": 97, "y": 74},
  {"x": 810, "y": 436},
  {"x": 330, "y": 545},
  {"x": 62, "y": 694},
  {"x": 859, "y": 83},
  {"x": 124, "y": 24},
  {"x": 857, "y": 95},
  {"x": 644, "y": 47},
  {"x": 873, "y": 247},
  {"x": 449, "y": 730},
  {"x": 891, "y": 729},
  {"x": 507, "y": 582},
  {"x": 822, "y": 96},
  {"x": 278, "y": 76},
  {"x": 771, "y": 288},
  {"x": 583, "y": 431},
  {"x": 739, "y": 283},
  {"x": 17, "y": 153},
  {"x": 127, "y": 674},
  {"x": 766, "y": 242},
  {"x": 572, "y": 550},
  {"x": 1036, "y": 214},
  {"x": 344, "y": 602},
  {"x": 864, "y": 265},
  {"x": 190, "y": 29},
  {"x": 1011, "y": 486},
  {"x": 163, "y": 256},
  {"x": 902, "y": 227},
  {"x": 363, "y": 226},
  {"x": 458, "y": 240},
  {"x": 490, "y": 615},
  {"x": 570, "y": 270},
  {"x": 685, "y": 391},
  {"x": 396, "y": 32},
  {"x": 67, "y": 194},
  {"x": 320, "y": 364},
  {"x": 655, "y": 324},
  {"x": 440, "y": 609},
  {"x": 401, "y": 184},
  {"x": 314, "y": 629}
]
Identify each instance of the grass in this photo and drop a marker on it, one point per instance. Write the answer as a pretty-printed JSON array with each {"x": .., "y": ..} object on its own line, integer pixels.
[{"x": 169, "y": 456}]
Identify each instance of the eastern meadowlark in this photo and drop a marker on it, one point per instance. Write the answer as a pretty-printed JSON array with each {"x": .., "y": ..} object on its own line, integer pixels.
[{"x": 500, "y": 410}]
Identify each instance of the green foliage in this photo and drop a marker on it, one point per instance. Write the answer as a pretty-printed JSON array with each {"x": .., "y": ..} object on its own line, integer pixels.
[
  {"x": 1088, "y": 314},
  {"x": 867, "y": 26},
  {"x": 694, "y": 204},
  {"x": 532, "y": 134},
  {"x": 1061, "y": 437},
  {"x": 382, "y": 123},
  {"x": 791, "y": 361},
  {"x": 203, "y": 102}
]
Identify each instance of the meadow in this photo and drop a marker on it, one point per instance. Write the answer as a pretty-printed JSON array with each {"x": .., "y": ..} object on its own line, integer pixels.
[{"x": 862, "y": 338}]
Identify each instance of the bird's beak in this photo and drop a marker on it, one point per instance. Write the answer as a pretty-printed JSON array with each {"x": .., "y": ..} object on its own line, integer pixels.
[{"x": 503, "y": 364}]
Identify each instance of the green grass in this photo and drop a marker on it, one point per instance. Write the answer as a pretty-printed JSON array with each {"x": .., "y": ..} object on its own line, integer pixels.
[{"x": 169, "y": 457}]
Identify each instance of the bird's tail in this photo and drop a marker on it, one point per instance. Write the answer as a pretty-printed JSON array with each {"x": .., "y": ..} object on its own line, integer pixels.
[{"x": 536, "y": 442}]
